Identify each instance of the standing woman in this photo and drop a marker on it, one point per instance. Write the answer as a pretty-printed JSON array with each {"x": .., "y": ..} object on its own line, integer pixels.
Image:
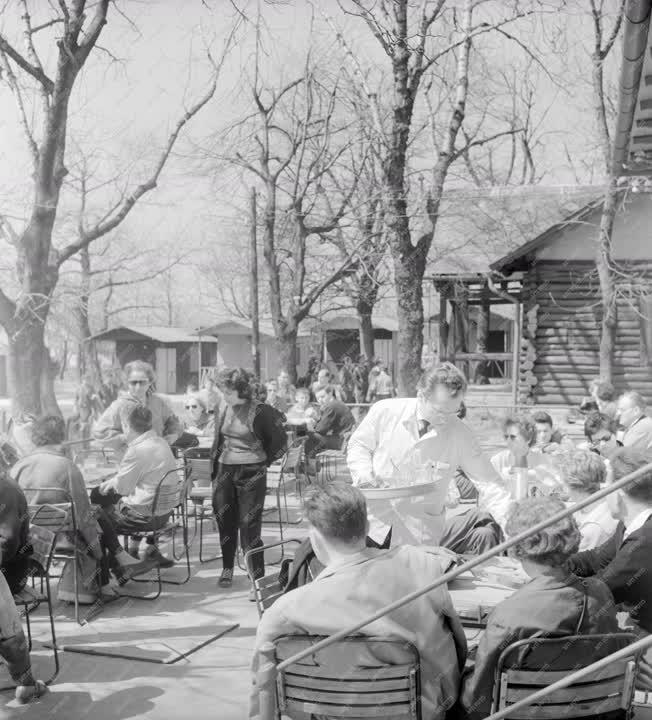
[
  {"x": 249, "y": 436},
  {"x": 111, "y": 427}
]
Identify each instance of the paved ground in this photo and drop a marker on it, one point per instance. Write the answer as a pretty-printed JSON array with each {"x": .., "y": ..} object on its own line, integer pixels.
[{"x": 213, "y": 682}]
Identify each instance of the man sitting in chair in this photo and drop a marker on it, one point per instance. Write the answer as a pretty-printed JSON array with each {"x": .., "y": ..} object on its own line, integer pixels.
[
  {"x": 356, "y": 582},
  {"x": 335, "y": 420},
  {"x": 128, "y": 497}
]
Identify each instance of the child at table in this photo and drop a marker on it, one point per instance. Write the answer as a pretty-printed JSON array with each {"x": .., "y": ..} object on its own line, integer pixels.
[{"x": 553, "y": 603}]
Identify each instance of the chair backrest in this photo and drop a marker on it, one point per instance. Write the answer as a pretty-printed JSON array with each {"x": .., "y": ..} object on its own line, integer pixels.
[
  {"x": 58, "y": 517},
  {"x": 354, "y": 678},
  {"x": 294, "y": 455},
  {"x": 530, "y": 665},
  {"x": 267, "y": 589},
  {"x": 43, "y": 542},
  {"x": 170, "y": 494}
]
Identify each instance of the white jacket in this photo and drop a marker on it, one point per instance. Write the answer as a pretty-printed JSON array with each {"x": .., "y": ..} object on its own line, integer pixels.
[{"x": 382, "y": 442}]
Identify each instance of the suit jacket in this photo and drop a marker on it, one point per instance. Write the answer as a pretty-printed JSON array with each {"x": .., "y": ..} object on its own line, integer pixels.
[
  {"x": 639, "y": 434},
  {"x": 546, "y": 606},
  {"x": 347, "y": 593},
  {"x": 626, "y": 568},
  {"x": 335, "y": 419}
]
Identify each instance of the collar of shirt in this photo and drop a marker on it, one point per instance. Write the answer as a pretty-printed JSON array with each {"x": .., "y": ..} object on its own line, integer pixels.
[
  {"x": 346, "y": 561},
  {"x": 637, "y": 523},
  {"x": 143, "y": 437}
]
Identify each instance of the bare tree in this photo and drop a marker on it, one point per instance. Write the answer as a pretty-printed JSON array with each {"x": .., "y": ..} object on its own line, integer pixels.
[
  {"x": 412, "y": 40},
  {"x": 294, "y": 143},
  {"x": 78, "y": 27}
]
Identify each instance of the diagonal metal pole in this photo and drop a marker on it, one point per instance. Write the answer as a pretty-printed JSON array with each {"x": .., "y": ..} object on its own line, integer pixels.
[
  {"x": 452, "y": 574},
  {"x": 628, "y": 651}
]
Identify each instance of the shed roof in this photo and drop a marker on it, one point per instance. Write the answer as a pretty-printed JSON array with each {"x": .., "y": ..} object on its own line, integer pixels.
[
  {"x": 238, "y": 326},
  {"x": 158, "y": 333}
]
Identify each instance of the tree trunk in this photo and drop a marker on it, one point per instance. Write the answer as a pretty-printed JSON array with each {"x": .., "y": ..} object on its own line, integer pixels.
[
  {"x": 288, "y": 353},
  {"x": 366, "y": 329},
  {"x": 607, "y": 285}
]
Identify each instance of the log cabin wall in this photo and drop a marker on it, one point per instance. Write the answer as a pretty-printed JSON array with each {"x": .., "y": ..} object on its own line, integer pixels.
[{"x": 562, "y": 315}]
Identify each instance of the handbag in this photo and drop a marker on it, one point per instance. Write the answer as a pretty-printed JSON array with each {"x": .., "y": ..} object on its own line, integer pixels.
[{"x": 88, "y": 583}]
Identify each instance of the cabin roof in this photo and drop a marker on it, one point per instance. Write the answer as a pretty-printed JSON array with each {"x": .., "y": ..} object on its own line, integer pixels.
[{"x": 158, "y": 333}]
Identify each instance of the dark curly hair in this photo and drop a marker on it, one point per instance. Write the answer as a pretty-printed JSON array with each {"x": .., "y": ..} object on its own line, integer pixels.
[
  {"x": 237, "y": 380},
  {"x": 551, "y": 546},
  {"x": 48, "y": 430},
  {"x": 446, "y": 375},
  {"x": 599, "y": 421}
]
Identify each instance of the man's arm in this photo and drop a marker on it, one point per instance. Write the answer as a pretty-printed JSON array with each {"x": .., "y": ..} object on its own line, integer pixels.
[
  {"x": 326, "y": 422},
  {"x": 362, "y": 445},
  {"x": 128, "y": 475},
  {"x": 591, "y": 562}
]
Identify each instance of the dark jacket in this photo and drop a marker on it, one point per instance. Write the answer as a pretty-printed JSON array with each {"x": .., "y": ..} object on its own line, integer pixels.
[
  {"x": 267, "y": 424},
  {"x": 336, "y": 418},
  {"x": 548, "y": 606},
  {"x": 15, "y": 549},
  {"x": 626, "y": 568}
]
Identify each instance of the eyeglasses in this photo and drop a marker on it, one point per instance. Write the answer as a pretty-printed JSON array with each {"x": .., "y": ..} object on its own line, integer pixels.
[
  {"x": 191, "y": 407},
  {"x": 602, "y": 440},
  {"x": 139, "y": 382}
]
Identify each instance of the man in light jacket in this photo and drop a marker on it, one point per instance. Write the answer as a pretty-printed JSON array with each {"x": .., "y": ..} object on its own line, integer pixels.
[
  {"x": 356, "y": 582},
  {"x": 383, "y": 442}
]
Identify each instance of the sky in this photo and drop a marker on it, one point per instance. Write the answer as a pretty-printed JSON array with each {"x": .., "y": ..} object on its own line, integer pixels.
[{"x": 151, "y": 63}]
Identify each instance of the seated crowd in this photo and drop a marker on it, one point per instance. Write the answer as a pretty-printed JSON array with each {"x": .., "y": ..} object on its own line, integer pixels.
[{"x": 360, "y": 555}]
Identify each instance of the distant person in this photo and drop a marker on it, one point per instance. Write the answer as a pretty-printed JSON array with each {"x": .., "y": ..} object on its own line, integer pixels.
[
  {"x": 547, "y": 438},
  {"x": 274, "y": 398},
  {"x": 302, "y": 412},
  {"x": 346, "y": 380},
  {"x": 358, "y": 581},
  {"x": 198, "y": 421},
  {"x": 286, "y": 389},
  {"x": 601, "y": 432},
  {"x": 553, "y": 603},
  {"x": 88, "y": 406},
  {"x": 335, "y": 420},
  {"x": 604, "y": 394},
  {"x": 633, "y": 419},
  {"x": 381, "y": 388},
  {"x": 585, "y": 473},
  {"x": 361, "y": 380},
  {"x": 210, "y": 394},
  {"x": 325, "y": 380},
  {"x": 111, "y": 428}
]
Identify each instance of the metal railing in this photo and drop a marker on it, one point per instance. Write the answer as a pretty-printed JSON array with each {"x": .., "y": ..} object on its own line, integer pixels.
[{"x": 456, "y": 572}]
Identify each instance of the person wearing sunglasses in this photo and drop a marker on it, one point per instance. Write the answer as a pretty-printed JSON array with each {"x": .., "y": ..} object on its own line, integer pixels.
[
  {"x": 111, "y": 427},
  {"x": 600, "y": 430},
  {"x": 197, "y": 421}
]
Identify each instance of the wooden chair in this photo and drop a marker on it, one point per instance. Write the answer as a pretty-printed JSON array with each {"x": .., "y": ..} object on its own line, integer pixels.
[
  {"x": 29, "y": 598},
  {"x": 532, "y": 664},
  {"x": 61, "y": 519},
  {"x": 169, "y": 498},
  {"x": 354, "y": 678},
  {"x": 268, "y": 589}
]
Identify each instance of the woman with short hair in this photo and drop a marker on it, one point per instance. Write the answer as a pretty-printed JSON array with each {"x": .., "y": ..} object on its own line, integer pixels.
[
  {"x": 197, "y": 421},
  {"x": 249, "y": 436},
  {"x": 554, "y": 603},
  {"x": 140, "y": 381}
]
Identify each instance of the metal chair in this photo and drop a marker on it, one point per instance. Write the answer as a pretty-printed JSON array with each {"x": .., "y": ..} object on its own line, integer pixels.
[
  {"x": 29, "y": 598},
  {"x": 354, "y": 678},
  {"x": 61, "y": 519},
  {"x": 530, "y": 665},
  {"x": 201, "y": 495},
  {"x": 290, "y": 469},
  {"x": 268, "y": 589},
  {"x": 169, "y": 500}
]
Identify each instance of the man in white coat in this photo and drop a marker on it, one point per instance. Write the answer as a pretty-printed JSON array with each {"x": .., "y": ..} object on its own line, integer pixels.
[{"x": 382, "y": 445}]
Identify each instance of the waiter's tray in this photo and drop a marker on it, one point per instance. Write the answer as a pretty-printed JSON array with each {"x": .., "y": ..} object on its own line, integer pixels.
[{"x": 392, "y": 493}]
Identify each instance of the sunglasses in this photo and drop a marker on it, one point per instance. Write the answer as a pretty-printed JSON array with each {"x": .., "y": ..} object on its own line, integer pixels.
[
  {"x": 139, "y": 382},
  {"x": 510, "y": 437},
  {"x": 191, "y": 407}
]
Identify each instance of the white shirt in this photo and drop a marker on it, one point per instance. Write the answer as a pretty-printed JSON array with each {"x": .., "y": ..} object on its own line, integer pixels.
[
  {"x": 637, "y": 523},
  {"x": 384, "y": 441},
  {"x": 596, "y": 525}
]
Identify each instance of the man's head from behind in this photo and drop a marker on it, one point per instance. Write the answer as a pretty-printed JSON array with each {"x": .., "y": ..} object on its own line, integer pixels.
[
  {"x": 584, "y": 473},
  {"x": 337, "y": 520},
  {"x": 625, "y": 504},
  {"x": 440, "y": 392},
  {"x": 48, "y": 430},
  {"x": 139, "y": 421}
]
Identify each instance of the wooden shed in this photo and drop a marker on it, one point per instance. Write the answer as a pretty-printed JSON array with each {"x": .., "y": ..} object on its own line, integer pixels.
[
  {"x": 561, "y": 308},
  {"x": 174, "y": 352}
]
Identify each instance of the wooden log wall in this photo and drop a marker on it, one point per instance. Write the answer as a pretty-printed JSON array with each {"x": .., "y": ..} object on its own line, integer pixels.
[
  {"x": 529, "y": 324},
  {"x": 562, "y": 322}
]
